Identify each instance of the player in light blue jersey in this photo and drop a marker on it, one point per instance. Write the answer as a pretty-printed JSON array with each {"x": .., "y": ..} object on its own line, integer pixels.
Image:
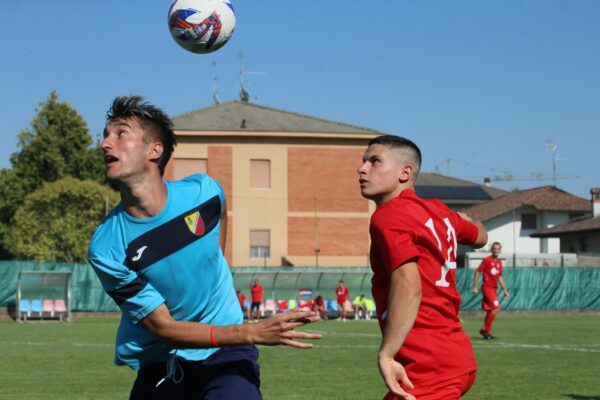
[{"x": 159, "y": 256}]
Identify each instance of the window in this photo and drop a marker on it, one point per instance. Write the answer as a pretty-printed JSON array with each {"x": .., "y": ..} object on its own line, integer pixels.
[
  {"x": 260, "y": 174},
  {"x": 260, "y": 244},
  {"x": 183, "y": 167},
  {"x": 529, "y": 221}
]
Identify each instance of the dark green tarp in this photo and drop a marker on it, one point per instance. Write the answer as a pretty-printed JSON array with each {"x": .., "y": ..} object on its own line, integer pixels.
[{"x": 531, "y": 289}]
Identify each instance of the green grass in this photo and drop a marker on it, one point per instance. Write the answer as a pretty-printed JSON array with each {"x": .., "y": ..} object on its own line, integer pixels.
[{"x": 545, "y": 356}]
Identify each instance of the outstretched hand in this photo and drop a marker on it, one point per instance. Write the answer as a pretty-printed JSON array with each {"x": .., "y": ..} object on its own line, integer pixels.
[
  {"x": 394, "y": 375},
  {"x": 280, "y": 329}
]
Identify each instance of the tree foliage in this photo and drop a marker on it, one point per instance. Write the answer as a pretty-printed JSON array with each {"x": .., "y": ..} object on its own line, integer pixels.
[
  {"x": 56, "y": 222},
  {"x": 57, "y": 145}
]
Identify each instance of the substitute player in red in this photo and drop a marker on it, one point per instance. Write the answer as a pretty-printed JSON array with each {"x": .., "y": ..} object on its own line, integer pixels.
[
  {"x": 257, "y": 297},
  {"x": 242, "y": 300},
  {"x": 491, "y": 268},
  {"x": 424, "y": 352},
  {"x": 341, "y": 293}
]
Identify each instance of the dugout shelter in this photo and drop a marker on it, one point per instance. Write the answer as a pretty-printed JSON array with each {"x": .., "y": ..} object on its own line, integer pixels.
[{"x": 43, "y": 295}]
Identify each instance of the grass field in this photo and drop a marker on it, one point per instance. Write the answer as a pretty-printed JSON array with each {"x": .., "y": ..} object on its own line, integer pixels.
[{"x": 545, "y": 356}]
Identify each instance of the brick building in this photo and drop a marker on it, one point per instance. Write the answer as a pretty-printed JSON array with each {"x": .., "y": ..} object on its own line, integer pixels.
[{"x": 290, "y": 181}]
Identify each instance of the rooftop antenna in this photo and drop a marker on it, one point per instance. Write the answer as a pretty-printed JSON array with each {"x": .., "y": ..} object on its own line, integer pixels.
[
  {"x": 244, "y": 94},
  {"x": 215, "y": 91},
  {"x": 552, "y": 146}
]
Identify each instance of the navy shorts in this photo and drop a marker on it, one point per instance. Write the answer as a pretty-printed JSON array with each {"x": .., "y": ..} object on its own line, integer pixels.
[{"x": 230, "y": 373}]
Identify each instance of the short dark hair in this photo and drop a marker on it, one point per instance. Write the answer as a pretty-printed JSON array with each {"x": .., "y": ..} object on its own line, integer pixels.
[
  {"x": 156, "y": 123},
  {"x": 496, "y": 243},
  {"x": 398, "y": 142}
]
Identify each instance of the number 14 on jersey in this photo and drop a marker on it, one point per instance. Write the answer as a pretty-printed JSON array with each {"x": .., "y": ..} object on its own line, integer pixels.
[{"x": 450, "y": 262}]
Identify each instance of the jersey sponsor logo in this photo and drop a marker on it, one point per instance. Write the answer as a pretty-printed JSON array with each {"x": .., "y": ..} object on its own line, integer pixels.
[
  {"x": 494, "y": 271},
  {"x": 139, "y": 253},
  {"x": 195, "y": 223}
]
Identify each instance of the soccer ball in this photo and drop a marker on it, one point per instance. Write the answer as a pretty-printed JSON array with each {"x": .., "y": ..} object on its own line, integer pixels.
[{"x": 201, "y": 26}]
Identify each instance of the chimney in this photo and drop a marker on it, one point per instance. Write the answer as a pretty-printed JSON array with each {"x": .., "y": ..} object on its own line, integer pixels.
[
  {"x": 487, "y": 182},
  {"x": 595, "y": 202}
]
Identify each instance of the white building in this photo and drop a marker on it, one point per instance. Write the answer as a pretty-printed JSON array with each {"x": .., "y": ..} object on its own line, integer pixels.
[
  {"x": 512, "y": 219},
  {"x": 581, "y": 235}
]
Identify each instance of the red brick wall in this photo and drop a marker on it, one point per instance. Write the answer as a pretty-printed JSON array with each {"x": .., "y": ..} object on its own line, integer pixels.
[
  {"x": 327, "y": 174},
  {"x": 220, "y": 167},
  {"x": 337, "y": 236}
]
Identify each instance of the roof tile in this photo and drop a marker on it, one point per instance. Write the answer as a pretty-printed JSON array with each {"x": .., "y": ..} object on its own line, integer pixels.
[
  {"x": 545, "y": 198},
  {"x": 239, "y": 116}
]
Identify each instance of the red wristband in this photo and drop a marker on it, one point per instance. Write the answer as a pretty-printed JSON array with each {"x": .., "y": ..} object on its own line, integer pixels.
[{"x": 211, "y": 334}]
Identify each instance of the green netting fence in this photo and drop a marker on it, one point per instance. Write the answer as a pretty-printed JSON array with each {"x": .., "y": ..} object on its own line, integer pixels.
[{"x": 552, "y": 289}]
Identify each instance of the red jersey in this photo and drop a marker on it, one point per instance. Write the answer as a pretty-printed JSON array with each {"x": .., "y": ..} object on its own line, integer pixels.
[
  {"x": 427, "y": 232},
  {"x": 319, "y": 302},
  {"x": 241, "y": 298},
  {"x": 492, "y": 270},
  {"x": 342, "y": 294},
  {"x": 257, "y": 293}
]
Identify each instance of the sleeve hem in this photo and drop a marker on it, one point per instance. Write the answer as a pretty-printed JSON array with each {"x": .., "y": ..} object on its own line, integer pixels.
[
  {"x": 405, "y": 260},
  {"x": 145, "y": 311}
]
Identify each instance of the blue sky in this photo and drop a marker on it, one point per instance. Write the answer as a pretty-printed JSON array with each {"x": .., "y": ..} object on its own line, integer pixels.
[{"x": 483, "y": 83}]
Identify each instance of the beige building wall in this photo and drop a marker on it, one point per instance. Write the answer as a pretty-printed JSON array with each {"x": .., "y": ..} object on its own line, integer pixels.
[{"x": 259, "y": 208}]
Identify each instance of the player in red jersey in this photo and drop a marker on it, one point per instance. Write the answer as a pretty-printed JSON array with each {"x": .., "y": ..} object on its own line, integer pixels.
[
  {"x": 257, "y": 296},
  {"x": 341, "y": 293},
  {"x": 491, "y": 268},
  {"x": 242, "y": 299},
  {"x": 424, "y": 352},
  {"x": 318, "y": 306}
]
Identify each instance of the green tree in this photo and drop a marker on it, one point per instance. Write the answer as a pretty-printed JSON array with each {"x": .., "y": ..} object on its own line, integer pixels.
[
  {"x": 58, "y": 144},
  {"x": 56, "y": 222}
]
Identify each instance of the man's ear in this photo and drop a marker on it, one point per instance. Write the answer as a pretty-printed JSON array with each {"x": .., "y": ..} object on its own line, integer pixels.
[
  {"x": 406, "y": 173},
  {"x": 156, "y": 151}
]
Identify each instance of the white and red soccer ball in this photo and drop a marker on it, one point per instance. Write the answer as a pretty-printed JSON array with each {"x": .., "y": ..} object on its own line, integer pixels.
[{"x": 201, "y": 26}]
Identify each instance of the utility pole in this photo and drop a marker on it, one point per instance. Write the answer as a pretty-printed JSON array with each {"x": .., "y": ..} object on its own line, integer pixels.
[{"x": 317, "y": 248}]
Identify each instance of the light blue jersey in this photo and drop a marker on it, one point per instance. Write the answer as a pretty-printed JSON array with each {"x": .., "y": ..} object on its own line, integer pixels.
[{"x": 173, "y": 258}]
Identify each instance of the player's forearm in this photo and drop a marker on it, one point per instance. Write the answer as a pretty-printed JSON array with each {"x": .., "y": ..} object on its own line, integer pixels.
[
  {"x": 193, "y": 335},
  {"x": 276, "y": 330},
  {"x": 476, "y": 280},
  {"x": 502, "y": 284},
  {"x": 403, "y": 305},
  {"x": 482, "y": 236}
]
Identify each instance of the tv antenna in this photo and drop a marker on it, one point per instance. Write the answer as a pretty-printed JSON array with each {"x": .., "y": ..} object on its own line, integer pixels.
[
  {"x": 552, "y": 146},
  {"x": 506, "y": 176},
  {"x": 244, "y": 94},
  {"x": 215, "y": 91}
]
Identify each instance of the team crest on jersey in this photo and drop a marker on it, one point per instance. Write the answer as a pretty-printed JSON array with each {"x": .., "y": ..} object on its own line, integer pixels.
[{"x": 195, "y": 223}]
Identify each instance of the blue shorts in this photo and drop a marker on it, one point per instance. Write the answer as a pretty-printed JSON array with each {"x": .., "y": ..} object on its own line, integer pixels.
[{"x": 230, "y": 373}]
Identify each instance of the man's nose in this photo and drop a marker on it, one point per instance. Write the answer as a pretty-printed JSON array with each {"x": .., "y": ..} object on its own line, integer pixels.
[
  {"x": 362, "y": 169},
  {"x": 106, "y": 143}
]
